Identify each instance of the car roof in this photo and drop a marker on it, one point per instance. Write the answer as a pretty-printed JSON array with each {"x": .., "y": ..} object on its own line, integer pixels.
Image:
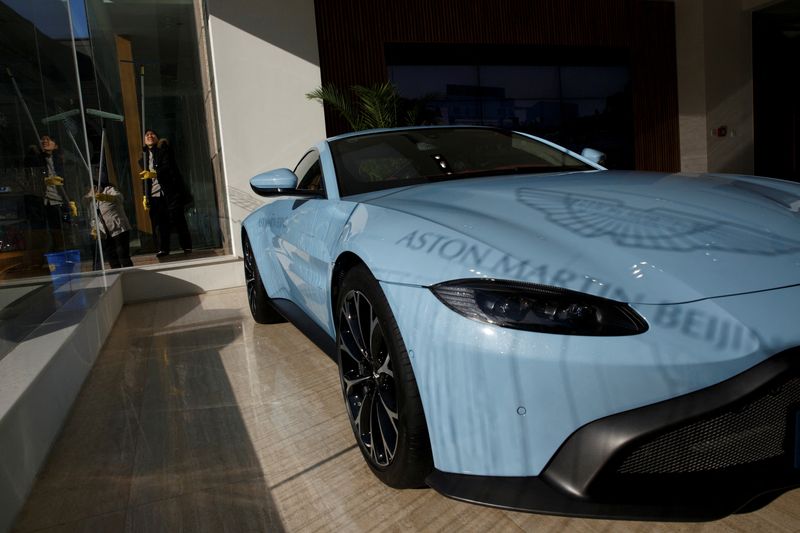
[{"x": 410, "y": 128}]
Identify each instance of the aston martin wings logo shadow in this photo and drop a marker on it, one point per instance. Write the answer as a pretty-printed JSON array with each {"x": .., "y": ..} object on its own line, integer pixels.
[{"x": 656, "y": 229}]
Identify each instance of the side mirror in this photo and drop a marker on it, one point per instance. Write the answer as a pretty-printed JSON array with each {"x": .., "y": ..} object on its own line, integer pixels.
[
  {"x": 595, "y": 156},
  {"x": 281, "y": 181}
]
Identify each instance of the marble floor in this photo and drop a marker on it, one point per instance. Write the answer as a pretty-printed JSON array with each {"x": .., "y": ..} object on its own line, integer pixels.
[{"x": 195, "y": 418}]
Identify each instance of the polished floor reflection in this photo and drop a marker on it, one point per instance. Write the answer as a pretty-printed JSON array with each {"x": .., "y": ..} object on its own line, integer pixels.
[{"x": 195, "y": 418}]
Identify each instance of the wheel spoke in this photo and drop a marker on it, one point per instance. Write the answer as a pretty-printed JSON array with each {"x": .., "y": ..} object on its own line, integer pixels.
[
  {"x": 373, "y": 342},
  {"x": 387, "y": 447},
  {"x": 385, "y": 367},
  {"x": 365, "y": 420},
  {"x": 391, "y": 443},
  {"x": 358, "y": 416},
  {"x": 348, "y": 342},
  {"x": 361, "y": 302},
  {"x": 346, "y": 349},
  {"x": 387, "y": 431},
  {"x": 353, "y": 325},
  {"x": 383, "y": 437},
  {"x": 391, "y": 413},
  {"x": 376, "y": 435},
  {"x": 349, "y": 383},
  {"x": 379, "y": 354}
]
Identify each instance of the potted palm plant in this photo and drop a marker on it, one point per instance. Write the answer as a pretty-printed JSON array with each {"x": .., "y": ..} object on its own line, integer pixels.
[{"x": 376, "y": 106}]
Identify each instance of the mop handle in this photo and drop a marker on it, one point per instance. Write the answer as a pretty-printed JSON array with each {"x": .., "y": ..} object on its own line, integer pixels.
[
  {"x": 141, "y": 91},
  {"x": 24, "y": 104},
  {"x": 147, "y": 186}
]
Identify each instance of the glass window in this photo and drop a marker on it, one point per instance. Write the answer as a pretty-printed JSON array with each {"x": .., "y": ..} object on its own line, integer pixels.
[
  {"x": 381, "y": 161},
  {"x": 138, "y": 68},
  {"x": 571, "y": 104},
  {"x": 309, "y": 173},
  {"x": 593, "y": 82},
  {"x": 522, "y": 81},
  {"x": 418, "y": 81},
  {"x": 150, "y": 52},
  {"x": 46, "y": 168}
]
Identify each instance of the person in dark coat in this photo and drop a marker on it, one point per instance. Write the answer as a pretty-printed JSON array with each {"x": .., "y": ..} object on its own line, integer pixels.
[
  {"x": 46, "y": 162},
  {"x": 166, "y": 196}
]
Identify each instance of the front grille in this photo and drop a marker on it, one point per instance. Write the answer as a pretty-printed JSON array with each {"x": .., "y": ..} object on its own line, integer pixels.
[{"x": 756, "y": 431}]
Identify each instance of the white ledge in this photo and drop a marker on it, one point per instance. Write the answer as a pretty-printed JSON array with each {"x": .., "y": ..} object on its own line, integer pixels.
[{"x": 41, "y": 376}]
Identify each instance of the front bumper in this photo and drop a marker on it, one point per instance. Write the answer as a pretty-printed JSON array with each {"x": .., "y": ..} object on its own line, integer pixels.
[
  {"x": 699, "y": 456},
  {"x": 502, "y": 402}
]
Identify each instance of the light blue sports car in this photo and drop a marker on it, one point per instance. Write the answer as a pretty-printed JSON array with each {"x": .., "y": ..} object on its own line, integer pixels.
[{"x": 517, "y": 326}]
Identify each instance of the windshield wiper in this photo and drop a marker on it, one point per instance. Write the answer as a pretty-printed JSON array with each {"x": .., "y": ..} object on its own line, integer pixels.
[{"x": 503, "y": 171}]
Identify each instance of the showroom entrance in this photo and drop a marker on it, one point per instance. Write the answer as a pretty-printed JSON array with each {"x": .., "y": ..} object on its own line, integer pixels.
[{"x": 776, "y": 84}]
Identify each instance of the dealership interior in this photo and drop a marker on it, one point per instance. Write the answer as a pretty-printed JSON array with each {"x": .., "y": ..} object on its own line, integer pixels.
[{"x": 145, "y": 397}]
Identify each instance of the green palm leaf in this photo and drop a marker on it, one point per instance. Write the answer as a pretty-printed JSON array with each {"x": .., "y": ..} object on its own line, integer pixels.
[
  {"x": 335, "y": 98},
  {"x": 377, "y": 106}
]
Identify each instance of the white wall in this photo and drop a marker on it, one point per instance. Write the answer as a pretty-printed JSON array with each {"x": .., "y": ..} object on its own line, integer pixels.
[{"x": 265, "y": 59}]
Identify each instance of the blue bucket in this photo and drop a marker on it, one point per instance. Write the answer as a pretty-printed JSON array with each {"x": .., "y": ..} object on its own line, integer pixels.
[{"x": 62, "y": 264}]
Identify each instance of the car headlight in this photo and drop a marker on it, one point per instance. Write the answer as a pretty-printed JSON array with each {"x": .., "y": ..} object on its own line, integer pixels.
[{"x": 542, "y": 308}]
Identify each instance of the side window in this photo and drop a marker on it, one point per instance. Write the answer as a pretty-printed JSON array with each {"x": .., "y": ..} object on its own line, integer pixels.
[{"x": 309, "y": 172}]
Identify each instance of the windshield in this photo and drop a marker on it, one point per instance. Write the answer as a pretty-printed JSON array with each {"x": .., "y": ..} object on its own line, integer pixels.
[{"x": 380, "y": 161}]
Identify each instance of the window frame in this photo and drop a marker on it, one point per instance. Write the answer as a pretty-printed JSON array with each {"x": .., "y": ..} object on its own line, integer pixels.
[{"x": 322, "y": 190}]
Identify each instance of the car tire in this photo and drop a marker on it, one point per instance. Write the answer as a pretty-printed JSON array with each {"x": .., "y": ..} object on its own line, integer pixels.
[
  {"x": 260, "y": 305},
  {"x": 378, "y": 384}
]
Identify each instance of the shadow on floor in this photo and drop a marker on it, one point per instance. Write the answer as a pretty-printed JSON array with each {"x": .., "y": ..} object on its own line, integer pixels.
[{"x": 156, "y": 440}]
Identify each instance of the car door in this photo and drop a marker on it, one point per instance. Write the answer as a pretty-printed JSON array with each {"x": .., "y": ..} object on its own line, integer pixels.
[{"x": 311, "y": 227}]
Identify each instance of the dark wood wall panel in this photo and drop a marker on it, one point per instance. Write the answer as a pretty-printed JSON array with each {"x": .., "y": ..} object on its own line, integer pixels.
[
  {"x": 353, "y": 35},
  {"x": 655, "y": 87}
]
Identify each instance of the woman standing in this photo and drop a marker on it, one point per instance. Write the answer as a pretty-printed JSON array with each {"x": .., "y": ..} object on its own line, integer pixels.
[{"x": 165, "y": 194}]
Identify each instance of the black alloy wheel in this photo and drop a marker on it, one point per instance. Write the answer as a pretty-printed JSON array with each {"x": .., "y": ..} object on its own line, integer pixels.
[
  {"x": 378, "y": 384},
  {"x": 260, "y": 306},
  {"x": 368, "y": 379}
]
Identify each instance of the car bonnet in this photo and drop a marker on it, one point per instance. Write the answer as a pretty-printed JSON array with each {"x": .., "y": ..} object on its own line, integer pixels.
[{"x": 633, "y": 236}]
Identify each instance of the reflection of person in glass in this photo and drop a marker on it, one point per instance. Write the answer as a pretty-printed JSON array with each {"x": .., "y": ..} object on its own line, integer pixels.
[
  {"x": 165, "y": 194},
  {"x": 111, "y": 225},
  {"x": 47, "y": 162}
]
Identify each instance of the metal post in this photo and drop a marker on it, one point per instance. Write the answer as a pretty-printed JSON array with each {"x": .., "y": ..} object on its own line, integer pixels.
[
  {"x": 95, "y": 207},
  {"x": 83, "y": 118}
]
